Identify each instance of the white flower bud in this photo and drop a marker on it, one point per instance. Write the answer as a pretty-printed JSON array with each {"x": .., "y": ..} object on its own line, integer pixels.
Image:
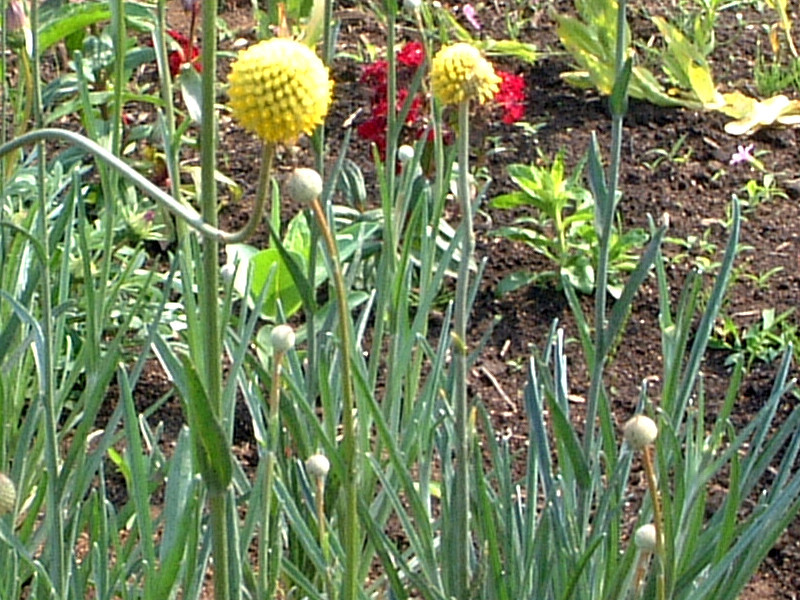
[
  {"x": 227, "y": 272},
  {"x": 282, "y": 338},
  {"x": 412, "y": 5},
  {"x": 640, "y": 431},
  {"x": 318, "y": 466},
  {"x": 405, "y": 153},
  {"x": 8, "y": 494},
  {"x": 305, "y": 185},
  {"x": 645, "y": 538}
]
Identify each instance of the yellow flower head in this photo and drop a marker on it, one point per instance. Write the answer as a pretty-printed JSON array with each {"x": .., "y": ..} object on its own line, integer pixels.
[
  {"x": 279, "y": 89},
  {"x": 460, "y": 73}
]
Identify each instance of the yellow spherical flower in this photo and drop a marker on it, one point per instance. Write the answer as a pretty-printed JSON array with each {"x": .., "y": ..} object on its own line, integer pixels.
[
  {"x": 279, "y": 89},
  {"x": 460, "y": 73}
]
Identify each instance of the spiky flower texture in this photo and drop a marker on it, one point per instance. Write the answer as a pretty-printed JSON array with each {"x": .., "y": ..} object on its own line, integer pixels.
[
  {"x": 279, "y": 89},
  {"x": 459, "y": 72}
]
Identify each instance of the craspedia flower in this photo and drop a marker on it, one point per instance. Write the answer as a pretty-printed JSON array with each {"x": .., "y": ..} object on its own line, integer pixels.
[
  {"x": 279, "y": 89},
  {"x": 459, "y": 72}
]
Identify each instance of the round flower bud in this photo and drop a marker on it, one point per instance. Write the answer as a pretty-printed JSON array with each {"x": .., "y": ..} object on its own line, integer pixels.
[
  {"x": 412, "y": 5},
  {"x": 279, "y": 89},
  {"x": 318, "y": 466},
  {"x": 8, "y": 494},
  {"x": 304, "y": 186},
  {"x": 459, "y": 73},
  {"x": 282, "y": 338},
  {"x": 645, "y": 538},
  {"x": 227, "y": 272},
  {"x": 640, "y": 431},
  {"x": 405, "y": 153}
]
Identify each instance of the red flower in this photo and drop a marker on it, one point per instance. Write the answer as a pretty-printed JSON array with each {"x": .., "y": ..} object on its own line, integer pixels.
[
  {"x": 374, "y": 130},
  {"x": 186, "y": 53},
  {"x": 511, "y": 97},
  {"x": 375, "y": 76},
  {"x": 411, "y": 55}
]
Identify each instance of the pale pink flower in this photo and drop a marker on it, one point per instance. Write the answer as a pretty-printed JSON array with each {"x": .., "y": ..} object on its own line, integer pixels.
[
  {"x": 471, "y": 16},
  {"x": 743, "y": 154}
]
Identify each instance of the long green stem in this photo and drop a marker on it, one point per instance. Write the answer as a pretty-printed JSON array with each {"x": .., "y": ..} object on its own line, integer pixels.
[
  {"x": 460, "y": 499},
  {"x": 225, "y": 587},
  {"x": 352, "y": 543},
  {"x": 54, "y": 517},
  {"x": 607, "y": 207},
  {"x": 273, "y": 428}
]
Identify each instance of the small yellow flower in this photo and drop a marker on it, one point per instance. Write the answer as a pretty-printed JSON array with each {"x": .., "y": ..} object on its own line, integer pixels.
[
  {"x": 460, "y": 73},
  {"x": 279, "y": 89}
]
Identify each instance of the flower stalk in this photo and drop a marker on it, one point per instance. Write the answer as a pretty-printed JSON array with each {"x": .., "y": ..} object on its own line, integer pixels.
[
  {"x": 459, "y": 74},
  {"x": 352, "y": 549},
  {"x": 640, "y": 432},
  {"x": 460, "y": 501},
  {"x": 658, "y": 520}
]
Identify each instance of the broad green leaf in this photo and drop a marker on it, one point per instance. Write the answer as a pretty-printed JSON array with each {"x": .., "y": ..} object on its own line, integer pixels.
[{"x": 71, "y": 18}]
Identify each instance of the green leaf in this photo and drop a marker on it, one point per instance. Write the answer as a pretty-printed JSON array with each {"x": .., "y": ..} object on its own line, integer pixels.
[
  {"x": 268, "y": 268},
  {"x": 514, "y": 281},
  {"x": 211, "y": 447},
  {"x": 192, "y": 91},
  {"x": 71, "y": 18},
  {"x": 580, "y": 276},
  {"x": 619, "y": 95}
]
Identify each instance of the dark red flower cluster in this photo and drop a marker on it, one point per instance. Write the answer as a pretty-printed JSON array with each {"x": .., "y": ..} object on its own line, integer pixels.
[
  {"x": 375, "y": 77},
  {"x": 186, "y": 53},
  {"x": 511, "y": 97}
]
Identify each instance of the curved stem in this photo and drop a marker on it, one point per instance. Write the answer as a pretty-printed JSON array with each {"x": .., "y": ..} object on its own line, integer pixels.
[
  {"x": 189, "y": 215},
  {"x": 352, "y": 546}
]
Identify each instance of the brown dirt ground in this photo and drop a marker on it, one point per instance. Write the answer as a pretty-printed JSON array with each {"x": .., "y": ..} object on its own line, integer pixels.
[{"x": 696, "y": 194}]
